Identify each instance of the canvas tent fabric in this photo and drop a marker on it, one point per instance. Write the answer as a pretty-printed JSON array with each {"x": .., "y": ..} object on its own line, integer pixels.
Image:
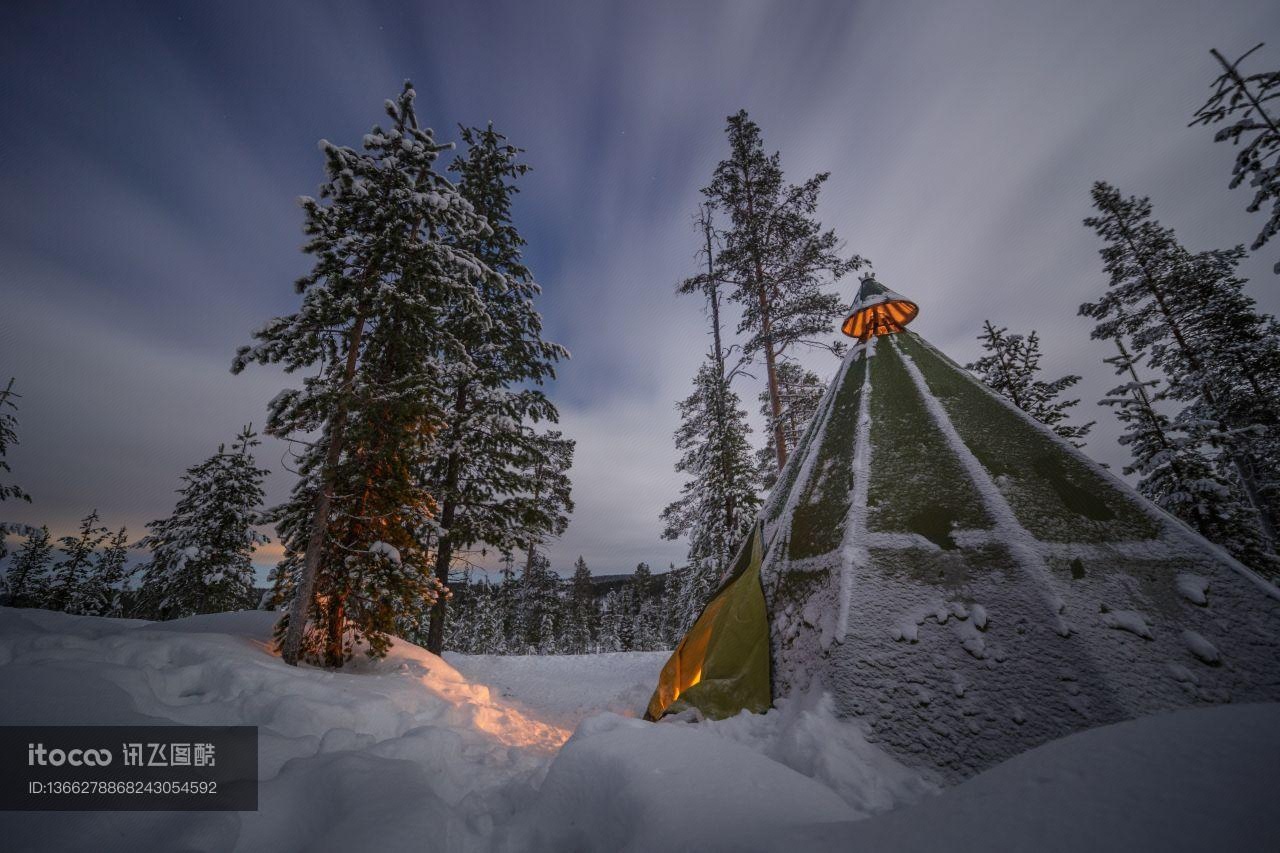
[
  {"x": 722, "y": 665},
  {"x": 969, "y": 585}
]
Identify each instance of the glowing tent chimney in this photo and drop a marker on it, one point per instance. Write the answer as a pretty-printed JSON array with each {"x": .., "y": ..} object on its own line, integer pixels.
[{"x": 878, "y": 311}]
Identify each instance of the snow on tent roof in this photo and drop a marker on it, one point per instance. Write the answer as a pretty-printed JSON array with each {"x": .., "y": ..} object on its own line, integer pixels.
[
  {"x": 878, "y": 311},
  {"x": 970, "y": 585}
]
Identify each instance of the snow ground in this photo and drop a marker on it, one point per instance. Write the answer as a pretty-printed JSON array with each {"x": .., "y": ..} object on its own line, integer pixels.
[{"x": 470, "y": 753}]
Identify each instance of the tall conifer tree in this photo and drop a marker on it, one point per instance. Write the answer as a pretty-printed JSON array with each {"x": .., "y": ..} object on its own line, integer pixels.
[
  {"x": 392, "y": 281},
  {"x": 776, "y": 256},
  {"x": 718, "y": 502},
  {"x": 1164, "y": 299},
  {"x": 490, "y": 457},
  {"x": 1175, "y": 474}
]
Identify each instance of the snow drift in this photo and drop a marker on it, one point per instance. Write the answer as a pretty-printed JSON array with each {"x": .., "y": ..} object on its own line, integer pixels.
[{"x": 475, "y": 753}]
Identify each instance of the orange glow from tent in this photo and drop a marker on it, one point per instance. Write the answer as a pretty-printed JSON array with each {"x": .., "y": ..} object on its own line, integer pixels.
[
  {"x": 882, "y": 318},
  {"x": 684, "y": 668}
]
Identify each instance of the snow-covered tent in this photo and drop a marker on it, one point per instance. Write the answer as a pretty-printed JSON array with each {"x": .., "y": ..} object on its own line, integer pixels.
[{"x": 970, "y": 585}]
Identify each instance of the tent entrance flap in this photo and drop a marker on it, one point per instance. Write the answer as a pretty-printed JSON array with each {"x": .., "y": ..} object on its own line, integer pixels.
[{"x": 722, "y": 665}]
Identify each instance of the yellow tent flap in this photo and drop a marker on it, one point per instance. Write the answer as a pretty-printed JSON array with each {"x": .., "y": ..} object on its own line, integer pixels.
[{"x": 722, "y": 665}]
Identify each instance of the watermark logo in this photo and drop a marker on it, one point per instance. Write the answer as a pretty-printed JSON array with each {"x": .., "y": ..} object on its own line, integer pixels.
[
  {"x": 134, "y": 768},
  {"x": 38, "y": 756}
]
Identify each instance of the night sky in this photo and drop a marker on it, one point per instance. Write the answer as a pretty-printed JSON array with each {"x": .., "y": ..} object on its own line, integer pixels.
[{"x": 151, "y": 157}]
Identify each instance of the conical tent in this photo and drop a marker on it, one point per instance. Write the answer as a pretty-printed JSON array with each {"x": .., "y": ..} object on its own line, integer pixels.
[{"x": 969, "y": 585}]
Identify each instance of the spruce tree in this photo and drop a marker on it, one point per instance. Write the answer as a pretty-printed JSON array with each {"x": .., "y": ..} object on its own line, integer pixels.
[
  {"x": 1241, "y": 363},
  {"x": 1250, "y": 103},
  {"x": 73, "y": 571},
  {"x": 201, "y": 555},
  {"x": 1175, "y": 474},
  {"x": 26, "y": 584},
  {"x": 615, "y": 622},
  {"x": 391, "y": 282},
  {"x": 507, "y": 603},
  {"x": 536, "y": 603},
  {"x": 722, "y": 495},
  {"x": 719, "y": 501},
  {"x": 490, "y": 458},
  {"x": 801, "y": 391},
  {"x": 460, "y": 625},
  {"x": 8, "y": 438},
  {"x": 487, "y": 636},
  {"x": 776, "y": 256},
  {"x": 544, "y": 508},
  {"x": 583, "y": 617},
  {"x": 1163, "y": 298},
  {"x": 1011, "y": 368},
  {"x": 100, "y": 591}
]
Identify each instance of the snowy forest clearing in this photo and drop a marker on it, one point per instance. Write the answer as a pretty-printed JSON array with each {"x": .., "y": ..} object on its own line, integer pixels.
[{"x": 414, "y": 753}]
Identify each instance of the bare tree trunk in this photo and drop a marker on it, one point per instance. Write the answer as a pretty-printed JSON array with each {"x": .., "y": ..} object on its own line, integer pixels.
[
  {"x": 713, "y": 292},
  {"x": 334, "y": 653},
  {"x": 775, "y": 399},
  {"x": 291, "y": 646},
  {"x": 444, "y": 548},
  {"x": 766, "y": 333}
]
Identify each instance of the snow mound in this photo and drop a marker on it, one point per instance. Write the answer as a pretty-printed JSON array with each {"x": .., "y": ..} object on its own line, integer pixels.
[
  {"x": 405, "y": 750},
  {"x": 468, "y": 754},
  {"x": 1199, "y": 779}
]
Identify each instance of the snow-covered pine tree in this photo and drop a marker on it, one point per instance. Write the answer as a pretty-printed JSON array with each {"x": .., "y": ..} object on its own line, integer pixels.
[
  {"x": 617, "y": 618},
  {"x": 645, "y": 618},
  {"x": 1241, "y": 364},
  {"x": 537, "y": 599},
  {"x": 489, "y": 458},
  {"x": 671, "y": 612},
  {"x": 1244, "y": 100},
  {"x": 201, "y": 555},
  {"x": 718, "y": 502},
  {"x": 460, "y": 626},
  {"x": 583, "y": 619},
  {"x": 72, "y": 572},
  {"x": 1011, "y": 368},
  {"x": 506, "y": 600},
  {"x": 544, "y": 506},
  {"x": 776, "y": 255},
  {"x": 388, "y": 237},
  {"x": 8, "y": 438},
  {"x": 1175, "y": 475},
  {"x": 100, "y": 592},
  {"x": 487, "y": 637},
  {"x": 1162, "y": 297},
  {"x": 26, "y": 584},
  {"x": 801, "y": 390}
]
